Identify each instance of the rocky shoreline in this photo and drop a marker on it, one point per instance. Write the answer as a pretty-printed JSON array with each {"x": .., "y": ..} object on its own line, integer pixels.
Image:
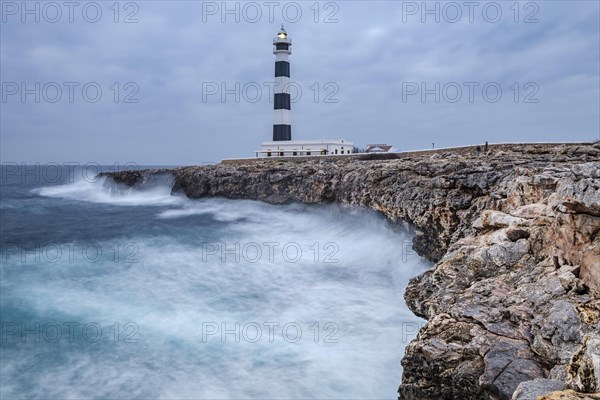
[{"x": 513, "y": 303}]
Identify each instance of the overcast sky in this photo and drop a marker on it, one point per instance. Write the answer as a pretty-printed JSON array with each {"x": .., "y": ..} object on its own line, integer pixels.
[{"x": 361, "y": 67}]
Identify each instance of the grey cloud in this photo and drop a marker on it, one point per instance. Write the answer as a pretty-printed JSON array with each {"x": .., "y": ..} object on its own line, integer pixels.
[{"x": 368, "y": 54}]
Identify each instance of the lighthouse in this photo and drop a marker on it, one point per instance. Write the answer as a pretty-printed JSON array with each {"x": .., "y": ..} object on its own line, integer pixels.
[
  {"x": 282, "y": 144},
  {"x": 282, "y": 122}
]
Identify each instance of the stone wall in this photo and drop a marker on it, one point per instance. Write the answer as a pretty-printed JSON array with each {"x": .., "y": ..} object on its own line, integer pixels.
[{"x": 462, "y": 150}]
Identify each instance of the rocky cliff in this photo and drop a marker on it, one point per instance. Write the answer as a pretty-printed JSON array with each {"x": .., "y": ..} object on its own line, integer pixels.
[{"x": 513, "y": 303}]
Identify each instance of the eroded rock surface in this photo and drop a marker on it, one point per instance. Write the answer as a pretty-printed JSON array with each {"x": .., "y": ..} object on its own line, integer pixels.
[
  {"x": 514, "y": 296},
  {"x": 531, "y": 390}
]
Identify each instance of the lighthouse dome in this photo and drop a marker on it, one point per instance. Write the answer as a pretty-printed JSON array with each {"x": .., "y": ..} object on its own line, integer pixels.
[
  {"x": 282, "y": 34},
  {"x": 282, "y": 37}
]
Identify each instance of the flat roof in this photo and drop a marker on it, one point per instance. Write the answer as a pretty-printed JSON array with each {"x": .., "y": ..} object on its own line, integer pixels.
[{"x": 304, "y": 142}]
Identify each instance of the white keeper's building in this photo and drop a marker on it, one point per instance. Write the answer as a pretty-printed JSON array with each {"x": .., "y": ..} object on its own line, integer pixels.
[
  {"x": 292, "y": 148},
  {"x": 282, "y": 144}
]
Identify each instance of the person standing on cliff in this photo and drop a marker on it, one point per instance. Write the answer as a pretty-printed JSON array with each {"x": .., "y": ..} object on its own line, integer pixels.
[
  {"x": 485, "y": 149},
  {"x": 478, "y": 150}
]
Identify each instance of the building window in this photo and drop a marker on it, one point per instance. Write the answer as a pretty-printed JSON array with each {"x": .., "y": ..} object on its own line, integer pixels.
[
  {"x": 281, "y": 154},
  {"x": 336, "y": 151},
  {"x": 268, "y": 154},
  {"x": 308, "y": 153},
  {"x": 295, "y": 153}
]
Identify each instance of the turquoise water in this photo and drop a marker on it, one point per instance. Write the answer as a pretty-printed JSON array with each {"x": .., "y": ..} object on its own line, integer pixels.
[{"x": 112, "y": 293}]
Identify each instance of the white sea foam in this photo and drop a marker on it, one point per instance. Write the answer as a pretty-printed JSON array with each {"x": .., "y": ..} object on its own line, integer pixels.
[
  {"x": 99, "y": 192},
  {"x": 175, "y": 288}
]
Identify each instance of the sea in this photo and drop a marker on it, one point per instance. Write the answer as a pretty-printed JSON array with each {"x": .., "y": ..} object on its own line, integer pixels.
[{"x": 107, "y": 292}]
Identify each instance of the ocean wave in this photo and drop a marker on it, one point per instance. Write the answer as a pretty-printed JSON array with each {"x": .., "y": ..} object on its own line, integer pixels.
[
  {"x": 108, "y": 192},
  {"x": 316, "y": 267}
]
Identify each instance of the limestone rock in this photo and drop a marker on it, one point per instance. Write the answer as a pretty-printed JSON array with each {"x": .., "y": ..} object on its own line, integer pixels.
[
  {"x": 569, "y": 395},
  {"x": 584, "y": 368},
  {"x": 497, "y": 219},
  {"x": 531, "y": 390}
]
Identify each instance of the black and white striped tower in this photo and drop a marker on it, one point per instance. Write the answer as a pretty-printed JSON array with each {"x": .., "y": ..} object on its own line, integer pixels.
[{"x": 282, "y": 122}]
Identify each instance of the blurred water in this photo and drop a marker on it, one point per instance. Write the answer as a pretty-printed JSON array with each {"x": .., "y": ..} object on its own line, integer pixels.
[{"x": 148, "y": 295}]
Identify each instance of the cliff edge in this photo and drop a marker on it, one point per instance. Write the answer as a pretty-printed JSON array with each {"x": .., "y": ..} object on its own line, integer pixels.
[{"x": 513, "y": 303}]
